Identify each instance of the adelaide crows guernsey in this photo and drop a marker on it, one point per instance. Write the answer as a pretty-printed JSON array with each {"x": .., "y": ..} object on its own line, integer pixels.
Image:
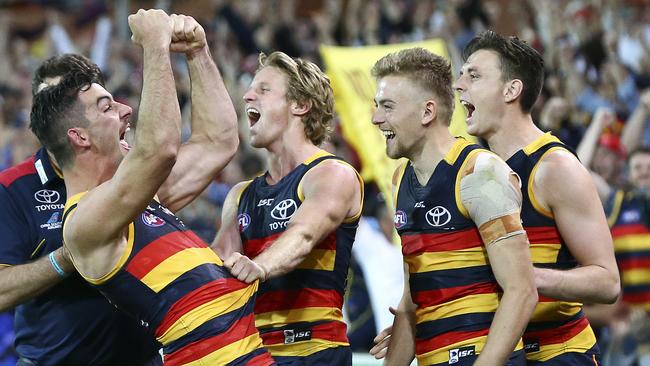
[
  {"x": 628, "y": 218},
  {"x": 70, "y": 323},
  {"x": 450, "y": 278},
  {"x": 177, "y": 287},
  {"x": 299, "y": 313},
  {"x": 556, "y": 327}
]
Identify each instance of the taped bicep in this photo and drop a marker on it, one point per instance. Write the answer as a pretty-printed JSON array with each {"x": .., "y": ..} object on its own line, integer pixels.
[{"x": 491, "y": 195}]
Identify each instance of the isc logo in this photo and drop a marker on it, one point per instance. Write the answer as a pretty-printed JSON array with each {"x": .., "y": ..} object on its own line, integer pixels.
[
  {"x": 265, "y": 202},
  {"x": 457, "y": 353}
]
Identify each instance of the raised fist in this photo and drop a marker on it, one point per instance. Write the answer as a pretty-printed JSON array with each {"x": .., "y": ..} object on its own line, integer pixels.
[
  {"x": 151, "y": 28},
  {"x": 188, "y": 35}
]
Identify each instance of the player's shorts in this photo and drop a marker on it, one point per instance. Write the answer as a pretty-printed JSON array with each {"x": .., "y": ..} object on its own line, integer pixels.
[
  {"x": 589, "y": 358},
  {"x": 339, "y": 356}
]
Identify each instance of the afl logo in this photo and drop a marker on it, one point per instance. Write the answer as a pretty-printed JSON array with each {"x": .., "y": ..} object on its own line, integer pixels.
[
  {"x": 284, "y": 210},
  {"x": 152, "y": 220},
  {"x": 400, "y": 219},
  {"x": 438, "y": 216},
  {"x": 244, "y": 220},
  {"x": 47, "y": 196}
]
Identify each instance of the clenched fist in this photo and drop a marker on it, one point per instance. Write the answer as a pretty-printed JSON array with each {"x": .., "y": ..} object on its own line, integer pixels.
[
  {"x": 244, "y": 268},
  {"x": 188, "y": 35},
  {"x": 151, "y": 28}
]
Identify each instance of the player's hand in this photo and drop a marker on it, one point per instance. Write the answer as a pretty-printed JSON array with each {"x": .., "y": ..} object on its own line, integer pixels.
[
  {"x": 244, "y": 268},
  {"x": 382, "y": 340},
  {"x": 151, "y": 28},
  {"x": 188, "y": 35}
]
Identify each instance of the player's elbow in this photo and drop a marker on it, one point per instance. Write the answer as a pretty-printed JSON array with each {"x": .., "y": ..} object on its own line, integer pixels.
[
  {"x": 611, "y": 288},
  {"x": 525, "y": 290}
]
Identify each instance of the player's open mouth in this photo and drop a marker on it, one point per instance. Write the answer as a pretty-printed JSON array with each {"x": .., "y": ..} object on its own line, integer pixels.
[
  {"x": 469, "y": 107},
  {"x": 123, "y": 138},
  {"x": 388, "y": 134},
  {"x": 253, "y": 115}
]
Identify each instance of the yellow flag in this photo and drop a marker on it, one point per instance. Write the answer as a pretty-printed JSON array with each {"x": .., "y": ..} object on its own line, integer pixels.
[{"x": 354, "y": 90}]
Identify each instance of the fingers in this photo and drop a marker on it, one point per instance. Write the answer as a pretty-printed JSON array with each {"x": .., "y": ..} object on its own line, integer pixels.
[
  {"x": 243, "y": 268},
  {"x": 380, "y": 349}
]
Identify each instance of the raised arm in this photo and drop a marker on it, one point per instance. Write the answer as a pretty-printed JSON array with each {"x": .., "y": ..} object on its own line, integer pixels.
[
  {"x": 563, "y": 186},
  {"x": 332, "y": 192},
  {"x": 146, "y": 166},
  {"x": 632, "y": 134},
  {"x": 492, "y": 198},
  {"x": 228, "y": 240},
  {"x": 214, "y": 138}
]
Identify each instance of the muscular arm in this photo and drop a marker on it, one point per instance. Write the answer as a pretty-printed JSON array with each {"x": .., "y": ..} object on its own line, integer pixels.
[
  {"x": 492, "y": 198},
  {"x": 401, "y": 349},
  {"x": 25, "y": 281},
  {"x": 332, "y": 192},
  {"x": 214, "y": 138},
  {"x": 228, "y": 240},
  {"x": 563, "y": 186},
  {"x": 146, "y": 166}
]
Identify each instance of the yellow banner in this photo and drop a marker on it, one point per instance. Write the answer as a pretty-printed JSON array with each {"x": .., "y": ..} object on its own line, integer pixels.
[{"x": 354, "y": 90}]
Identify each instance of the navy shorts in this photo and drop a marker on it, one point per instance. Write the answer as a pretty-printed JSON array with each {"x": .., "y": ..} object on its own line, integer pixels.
[
  {"x": 518, "y": 358},
  {"x": 339, "y": 356}
]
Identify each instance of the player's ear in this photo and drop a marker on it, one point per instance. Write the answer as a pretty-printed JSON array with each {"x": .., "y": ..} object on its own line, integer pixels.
[{"x": 513, "y": 90}]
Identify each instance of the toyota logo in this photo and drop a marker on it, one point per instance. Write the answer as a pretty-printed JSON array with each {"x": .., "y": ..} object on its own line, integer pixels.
[
  {"x": 284, "y": 210},
  {"x": 437, "y": 216},
  {"x": 47, "y": 196}
]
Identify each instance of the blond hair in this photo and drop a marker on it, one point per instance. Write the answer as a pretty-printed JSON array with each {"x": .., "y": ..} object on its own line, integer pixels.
[
  {"x": 307, "y": 85},
  {"x": 430, "y": 71}
]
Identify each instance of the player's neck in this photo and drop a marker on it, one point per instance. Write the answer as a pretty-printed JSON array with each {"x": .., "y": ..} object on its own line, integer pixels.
[
  {"x": 435, "y": 147},
  {"x": 515, "y": 132},
  {"x": 83, "y": 175},
  {"x": 286, "y": 156}
]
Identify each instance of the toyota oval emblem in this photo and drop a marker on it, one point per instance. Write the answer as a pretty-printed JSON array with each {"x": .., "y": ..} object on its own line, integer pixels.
[
  {"x": 438, "y": 216},
  {"x": 284, "y": 210},
  {"x": 47, "y": 196}
]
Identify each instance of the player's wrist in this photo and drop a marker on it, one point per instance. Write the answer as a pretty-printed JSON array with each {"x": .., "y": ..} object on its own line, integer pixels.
[{"x": 58, "y": 264}]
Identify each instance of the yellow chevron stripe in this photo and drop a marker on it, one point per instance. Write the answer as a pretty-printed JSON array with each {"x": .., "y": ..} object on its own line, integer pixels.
[
  {"x": 208, "y": 311},
  {"x": 544, "y": 253},
  {"x": 481, "y": 303},
  {"x": 229, "y": 353},
  {"x": 323, "y": 259},
  {"x": 581, "y": 343},
  {"x": 176, "y": 265},
  {"x": 632, "y": 243},
  {"x": 436, "y": 261}
]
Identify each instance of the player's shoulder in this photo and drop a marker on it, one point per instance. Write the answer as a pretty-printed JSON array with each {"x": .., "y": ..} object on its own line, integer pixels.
[
  {"x": 14, "y": 174},
  {"x": 484, "y": 161},
  {"x": 560, "y": 165}
]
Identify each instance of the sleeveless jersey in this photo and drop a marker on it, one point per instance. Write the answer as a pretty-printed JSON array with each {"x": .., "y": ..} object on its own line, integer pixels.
[
  {"x": 628, "y": 218},
  {"x": 299, "y": 313},
  {"x": 556, "y": 327},
  {"x": 450, "y": 278},
  {"x": 177, "y": 287}
]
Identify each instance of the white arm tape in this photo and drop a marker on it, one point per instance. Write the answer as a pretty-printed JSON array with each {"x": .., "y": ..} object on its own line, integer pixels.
[{"x": 487, "y": 192}]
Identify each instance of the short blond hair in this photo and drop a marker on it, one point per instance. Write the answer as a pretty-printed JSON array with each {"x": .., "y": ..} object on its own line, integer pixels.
[
  {"x": 307, "y": 85},
  {"x": 430, "y": 71}
]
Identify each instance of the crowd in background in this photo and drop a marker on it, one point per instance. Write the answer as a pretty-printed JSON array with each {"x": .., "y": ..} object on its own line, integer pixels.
[{"x": 597, "y": 55}]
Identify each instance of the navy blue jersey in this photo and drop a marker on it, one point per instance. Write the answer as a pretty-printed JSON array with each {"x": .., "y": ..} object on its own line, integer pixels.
[
  {"x": 450, "y": 278},
  {"x": 556, "y": 327},
  {"x": 299, "y": 313},
  {"x": 177, "y": 287},
  {"x": 71, "y": 323}
]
